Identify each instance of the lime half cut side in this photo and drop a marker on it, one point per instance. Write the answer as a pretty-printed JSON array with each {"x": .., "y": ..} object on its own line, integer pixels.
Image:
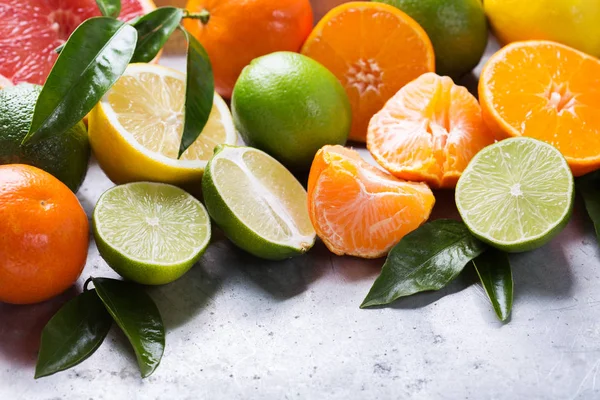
[
  {"x": 516, "y": 194},
  {"x": 258, "y": 203},
  {"x": 150, "y": 233}
]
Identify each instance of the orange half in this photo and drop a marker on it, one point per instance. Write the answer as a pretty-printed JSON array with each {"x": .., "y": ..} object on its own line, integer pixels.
[
  {"x": 428, "y": 132},
  {"x": 374, "y": 49},
  {"x": 359, "y": 210},
  {"x": 547, "y": 91}
]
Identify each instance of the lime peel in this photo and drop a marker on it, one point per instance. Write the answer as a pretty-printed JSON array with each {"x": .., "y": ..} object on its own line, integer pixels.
[
  {"x": 259, "y": 204},
  {"x": 516, "y": 194},
  {"x": 151, "y": 233}
]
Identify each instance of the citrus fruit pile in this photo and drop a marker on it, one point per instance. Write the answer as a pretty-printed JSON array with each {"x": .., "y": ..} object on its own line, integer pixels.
[{"x": 379, "y": 73}]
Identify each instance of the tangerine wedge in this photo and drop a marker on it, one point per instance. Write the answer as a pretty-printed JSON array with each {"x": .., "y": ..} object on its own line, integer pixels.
[
  {"x": 359, "y": 210},
  {"x": 547, "y": 91},
  {"x": 373, "y": 49},
  {"x": 428, "y": 131}
]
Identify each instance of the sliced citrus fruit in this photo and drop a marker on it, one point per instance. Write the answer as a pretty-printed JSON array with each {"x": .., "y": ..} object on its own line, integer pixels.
[
  {"x": 359, "y": 210},
  {"x": 136, "y": 129},
  {"x": 32, "y": 29},
  {"x": 516, "y": 194},
  {"x": 428, "y": 131},
  {"x": 547, "y": 91},
  {"x": 374, "y": 49},
  {"x": 258, "y": 203},
  {"x": 151, "y": 233}
]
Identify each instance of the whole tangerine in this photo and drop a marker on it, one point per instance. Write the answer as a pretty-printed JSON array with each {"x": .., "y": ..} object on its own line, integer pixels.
[
  {"x": 234, "y": 32},
  {"x": 44, "y": 235}
]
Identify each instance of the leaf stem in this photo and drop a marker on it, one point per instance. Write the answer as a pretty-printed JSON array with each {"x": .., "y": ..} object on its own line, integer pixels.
[
  {"x": 203, "y": 16},
  {"x": 87, "y": 282}
]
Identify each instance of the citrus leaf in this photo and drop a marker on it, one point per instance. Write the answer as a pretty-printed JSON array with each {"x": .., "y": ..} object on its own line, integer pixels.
[
  {"x": 73, "y": 334},
  {"x": 109, "y": 8},
  {"x": 154, "y": 29},
  {"x": 493, "y": 268},
  {"x": 589, "y": 187},
  {"x": 199, "y": 92},
  {"x": 93, "y": 58},
  {"x": 137, "y": 315},
  {"x": 426, "y": 259}
]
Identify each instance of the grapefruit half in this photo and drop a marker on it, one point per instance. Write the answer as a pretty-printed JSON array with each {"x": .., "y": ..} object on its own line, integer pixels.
[{"x": 32, "y": 29}]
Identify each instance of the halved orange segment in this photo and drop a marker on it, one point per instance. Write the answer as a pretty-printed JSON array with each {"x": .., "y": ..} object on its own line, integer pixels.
[
  {"x": 428, "y": 131},
  {"x": 547, "y": 91},
  {"x": 359, "y": 210},
  {"x": 374, "y": 49}
]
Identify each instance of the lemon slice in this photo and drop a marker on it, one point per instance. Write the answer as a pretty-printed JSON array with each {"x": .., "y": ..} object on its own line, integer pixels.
[{"x": 136, "y": 129}]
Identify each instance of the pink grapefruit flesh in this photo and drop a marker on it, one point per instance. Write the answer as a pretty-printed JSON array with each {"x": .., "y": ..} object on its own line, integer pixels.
[{"x": 31, "y": 29}]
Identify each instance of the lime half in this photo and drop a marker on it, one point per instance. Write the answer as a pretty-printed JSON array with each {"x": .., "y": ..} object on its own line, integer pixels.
[
  {"x": 516, "y": 194},
  {"x": 150, "y": 233},
  {"x": 258, "y": 203}
]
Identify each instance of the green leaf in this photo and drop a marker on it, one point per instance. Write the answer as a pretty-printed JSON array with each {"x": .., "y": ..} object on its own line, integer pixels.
[
  {"x": 109, "y": 8},
  {"x": 59, "y": 48},
  {"x": 137, "y": 315},
  {"x": 154, "y": 29},
  {"x": 93, "y": 58},
  {"x": 426, "y": 259},
  {"x": 73, "y": 334},
  {"x": 199, "y": 92},
  {"x": 493, "y": 268},
  {"x": 589, "y": 187}
]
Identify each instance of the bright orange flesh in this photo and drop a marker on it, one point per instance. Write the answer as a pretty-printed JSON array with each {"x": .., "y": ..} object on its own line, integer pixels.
[
  {"x": 43, "y": 235},
  {"x": 359, "y": 210},
  {"x": 547, "y": 91},
  {"x": 374, "y": 49},
  {"x": 428, "y": 131}
]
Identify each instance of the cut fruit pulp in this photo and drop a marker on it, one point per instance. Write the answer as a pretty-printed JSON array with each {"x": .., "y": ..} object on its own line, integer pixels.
[{"x": 516, "y": 194}]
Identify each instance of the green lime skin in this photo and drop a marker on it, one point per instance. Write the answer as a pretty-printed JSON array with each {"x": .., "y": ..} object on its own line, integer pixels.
[
  {"x": 65, "y": 156},
  {"x": 235, "y": 230},
  {"x": 139, "y": 271},
  {"x": 457, "y": 29},
  {"x": 290, "y": 106},
  {"x": 466, "y": 197}
]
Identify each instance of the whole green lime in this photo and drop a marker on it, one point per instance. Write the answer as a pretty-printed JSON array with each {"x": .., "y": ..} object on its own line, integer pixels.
[
  {"x": 290, "y": 106},
  {"x": 65, "y": 156},
  {"x": 457, "y": 29}
]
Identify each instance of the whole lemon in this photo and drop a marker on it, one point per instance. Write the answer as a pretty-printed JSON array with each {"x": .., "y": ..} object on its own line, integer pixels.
[
  {"x": 290, "y": 106},
  {"x": 575, "y": 23}
]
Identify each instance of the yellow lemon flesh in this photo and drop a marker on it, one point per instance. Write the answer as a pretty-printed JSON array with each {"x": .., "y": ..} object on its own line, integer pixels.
[
  {"x": 575, "y": 23},
  {"x": 136, "y": 129}
]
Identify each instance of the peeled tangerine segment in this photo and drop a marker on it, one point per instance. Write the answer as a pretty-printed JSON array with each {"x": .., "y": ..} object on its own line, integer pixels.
[
  {"x": 359, "y": 210},
  {"x": 428, "y": 131}
]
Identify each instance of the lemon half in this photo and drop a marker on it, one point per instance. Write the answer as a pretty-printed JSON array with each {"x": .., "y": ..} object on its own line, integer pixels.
[{"x": 136, "y": 128}]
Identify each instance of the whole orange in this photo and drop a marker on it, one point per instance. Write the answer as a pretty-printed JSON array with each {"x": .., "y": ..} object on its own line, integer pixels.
[
  {"x": 234, "y": 32},
  {"x": 43, "y": 235}
]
